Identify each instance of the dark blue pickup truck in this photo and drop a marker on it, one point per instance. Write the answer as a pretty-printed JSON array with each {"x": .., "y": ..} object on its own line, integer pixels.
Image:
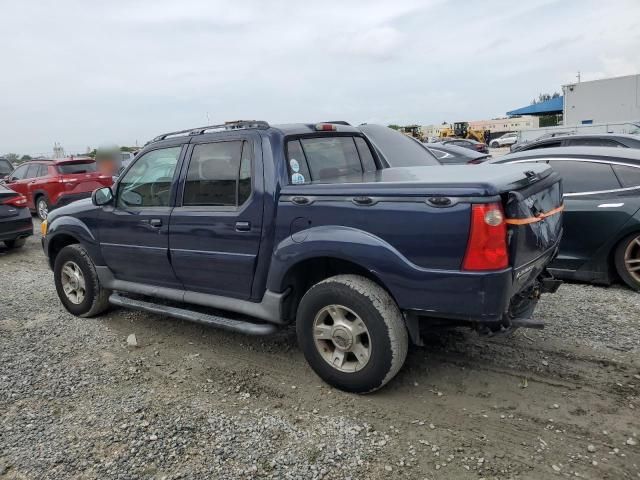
[{"x": 303, "y": 224}]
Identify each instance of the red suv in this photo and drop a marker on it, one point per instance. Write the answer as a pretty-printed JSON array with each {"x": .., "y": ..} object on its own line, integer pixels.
[{"x": 52, "y": 183}]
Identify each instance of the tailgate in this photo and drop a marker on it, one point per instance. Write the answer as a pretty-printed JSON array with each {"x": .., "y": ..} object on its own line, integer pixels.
[{"x": 534, "y": 217}]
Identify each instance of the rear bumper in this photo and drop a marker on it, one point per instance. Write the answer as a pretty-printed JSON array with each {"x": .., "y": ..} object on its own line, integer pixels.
[
  {"x": 477, "y": 297},
  {"x": 16, "y": 227},
  {"x": 67, "y": 198}
]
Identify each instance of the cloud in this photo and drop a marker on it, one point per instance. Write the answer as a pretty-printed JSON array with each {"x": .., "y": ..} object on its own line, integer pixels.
[{"x": 85, "y": 73}]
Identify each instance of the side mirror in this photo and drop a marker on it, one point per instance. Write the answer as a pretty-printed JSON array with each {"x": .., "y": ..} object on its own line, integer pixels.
[{"x": 102, "y": 196}]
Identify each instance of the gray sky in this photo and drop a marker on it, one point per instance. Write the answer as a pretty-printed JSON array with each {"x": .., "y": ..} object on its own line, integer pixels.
[{"x": 85, "y": 73}]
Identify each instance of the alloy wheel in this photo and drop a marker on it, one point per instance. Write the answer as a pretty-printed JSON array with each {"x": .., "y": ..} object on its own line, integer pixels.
[
  {"x": 73, "y": 283},
  {"x": 43, "y": 209},
  {"x": 342, "y": 338},
  {"x": 632, "y": 258}
]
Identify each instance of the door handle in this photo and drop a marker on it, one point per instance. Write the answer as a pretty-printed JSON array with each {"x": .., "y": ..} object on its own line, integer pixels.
[
  {"x": 243, "y": 226},
  {"x": 300, "y": 200},
  {"x": 155, "y": 222}
]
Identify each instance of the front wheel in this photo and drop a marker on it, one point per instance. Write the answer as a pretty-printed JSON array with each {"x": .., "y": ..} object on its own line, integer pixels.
[
  {"x": 494, "y": 145},
  {"x": 627, "y": 260},
  {"x": 352, "y": 333},
  {"x": 42, "y": 207},
  {"x": 77, "y": 283}
]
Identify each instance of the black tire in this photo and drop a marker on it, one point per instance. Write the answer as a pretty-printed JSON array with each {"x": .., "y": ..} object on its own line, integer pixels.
[
  {"x": 96, "y": 298},
  {"x": 16, "y": 242},
  {"x": 45, "y": 202},
  {"x": 632, "y": 241},
  {"x": 494, "y": 145},
  {"x": 387, "y": 333}
]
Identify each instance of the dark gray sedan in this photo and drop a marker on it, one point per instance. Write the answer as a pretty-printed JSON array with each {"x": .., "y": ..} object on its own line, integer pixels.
[{"x": 601, "y": 186}]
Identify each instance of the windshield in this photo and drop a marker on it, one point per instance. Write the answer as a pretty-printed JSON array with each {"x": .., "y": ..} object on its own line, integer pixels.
[
  {"x": 397, "y": 149},
  {"x": 76, "y": 167},
  {"x": 5, "y": 167}
]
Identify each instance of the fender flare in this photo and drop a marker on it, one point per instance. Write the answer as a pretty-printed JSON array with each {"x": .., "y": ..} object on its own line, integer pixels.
[
  {"x": 343, "y": 243},
  {"x": 75, "y": 228}
]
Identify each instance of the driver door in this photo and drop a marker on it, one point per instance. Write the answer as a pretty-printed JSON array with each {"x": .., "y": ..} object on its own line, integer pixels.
[{"x": 134, "y": 230}]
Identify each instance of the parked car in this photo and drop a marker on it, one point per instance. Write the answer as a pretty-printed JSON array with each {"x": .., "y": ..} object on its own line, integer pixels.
[
  {"x": 602, "y": 211},
  {"x": 504, "y": 141},
  {"x": 448, "y": 154},
  {"x": 466, "y": 143},
  {"x": 5, "y": 168},
  {"x": 15, "y": 219},
  {"x": 301, "y": 223},
  {"x": 586, "y": 140},
  {"x": 49, "y": 184},
  {"x": 398, "y": 150}
]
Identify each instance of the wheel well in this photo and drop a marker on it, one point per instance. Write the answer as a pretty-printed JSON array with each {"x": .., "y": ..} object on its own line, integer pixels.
[
  {"x": 57, "y": 244},
  {"x": 302, "y": 276}
]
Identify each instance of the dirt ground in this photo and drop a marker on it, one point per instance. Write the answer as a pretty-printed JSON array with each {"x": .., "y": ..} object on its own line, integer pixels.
[{"x": 193, "y": 402}]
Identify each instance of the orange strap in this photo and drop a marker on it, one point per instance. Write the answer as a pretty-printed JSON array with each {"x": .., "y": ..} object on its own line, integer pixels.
[{"x": 537, "y": 218}]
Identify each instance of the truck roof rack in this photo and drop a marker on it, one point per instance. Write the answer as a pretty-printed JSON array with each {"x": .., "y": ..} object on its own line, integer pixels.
[{"x": 233, "y": 125}]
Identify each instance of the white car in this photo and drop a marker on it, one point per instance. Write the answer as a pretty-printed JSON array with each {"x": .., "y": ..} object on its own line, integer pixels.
[{"x": 504, "y": 141}]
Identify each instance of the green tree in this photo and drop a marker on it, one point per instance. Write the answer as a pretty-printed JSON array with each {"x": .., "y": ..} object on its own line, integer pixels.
[
  {"x": 25, "y": 158},
  {"x": 394, "y": 126},
  {"x": 543, "y": 97},
  {"x": 12, "y": 157}
]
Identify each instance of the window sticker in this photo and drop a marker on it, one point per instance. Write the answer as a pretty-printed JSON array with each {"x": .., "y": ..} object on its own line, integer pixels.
[
  {"x": 295, "y": 166},
  {"x": 297, "y": 178}
]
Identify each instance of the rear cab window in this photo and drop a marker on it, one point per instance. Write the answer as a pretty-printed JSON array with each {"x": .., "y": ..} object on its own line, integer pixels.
[{"x": 327, "y": 157}]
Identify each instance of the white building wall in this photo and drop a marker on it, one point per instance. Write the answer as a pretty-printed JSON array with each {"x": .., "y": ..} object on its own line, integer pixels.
[
  {"x": 498, "y": 125},
  {"x": 601, "y": 101}
]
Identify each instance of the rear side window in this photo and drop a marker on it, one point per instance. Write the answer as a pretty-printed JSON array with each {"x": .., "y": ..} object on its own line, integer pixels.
[
  {"x": 628, "y": 176},
  {"x": 544, "y": 145},
  {"x": 592, "y": 142},
  {"x": 74, "y": 168},
  {"x": 322, "y": 158},
  {"x": 580, "y": 177},
  {"x": 44, "y": 171},
  {"x": 219, "y": 175}
]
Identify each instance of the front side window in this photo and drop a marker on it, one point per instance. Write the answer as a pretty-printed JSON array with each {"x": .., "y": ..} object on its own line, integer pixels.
[
  {"x": 578, "y": 177},
  {"x": 148, "y": 182},
  {"x": 219, "y": 175},
  {"x": 20, "y": 173}
]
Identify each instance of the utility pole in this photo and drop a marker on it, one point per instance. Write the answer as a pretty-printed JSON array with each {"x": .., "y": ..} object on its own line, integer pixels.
[{"x": 578, "y": 76}]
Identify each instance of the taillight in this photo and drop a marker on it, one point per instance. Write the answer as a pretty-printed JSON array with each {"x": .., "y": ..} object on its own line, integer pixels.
[
  {"x": 18, "y": 201},
  {"x": 487, "y": 246},
  {"x": 326, "y": 127}
]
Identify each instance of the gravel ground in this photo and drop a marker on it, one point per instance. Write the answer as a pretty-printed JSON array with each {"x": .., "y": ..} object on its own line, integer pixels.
[{"x": 76, "y": 401}]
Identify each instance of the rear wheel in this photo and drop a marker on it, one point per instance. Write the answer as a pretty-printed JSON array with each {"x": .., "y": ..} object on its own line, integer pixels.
[
  {"x": 494, "y": 145},
  {"x": 77, "y": 283},
  {"x": 627, "y": 260},
  {"x": 42, "y": 207},
  {"x": 15, "y": 243},
  {"x": 352, "y": 333}
]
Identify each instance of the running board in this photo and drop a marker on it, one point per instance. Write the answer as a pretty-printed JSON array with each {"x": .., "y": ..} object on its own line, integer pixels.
[{"x": 240, "y": 326}]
